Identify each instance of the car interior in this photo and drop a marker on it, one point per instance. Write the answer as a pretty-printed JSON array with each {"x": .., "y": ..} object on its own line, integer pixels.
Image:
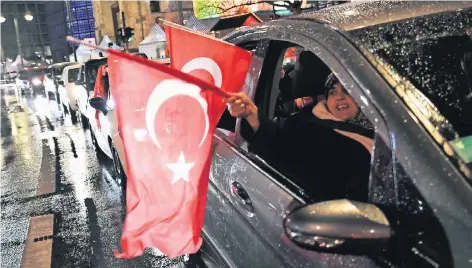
[{"x": 295, "y": 75}]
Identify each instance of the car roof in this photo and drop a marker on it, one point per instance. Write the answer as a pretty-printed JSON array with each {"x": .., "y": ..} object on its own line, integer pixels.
[
  {"x": 92, "y": 61},
  {"x": 356, "y": 15}
]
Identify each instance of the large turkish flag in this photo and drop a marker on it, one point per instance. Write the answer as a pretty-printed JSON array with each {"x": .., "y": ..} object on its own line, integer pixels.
[{"x": 167, "y": 119}]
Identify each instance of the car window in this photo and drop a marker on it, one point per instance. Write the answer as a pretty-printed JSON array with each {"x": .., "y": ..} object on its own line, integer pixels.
[
  {"x": 73, "y": 73},
  {"x": 36, "y": 72},
  {"x": 305, "y": 147},
  {"x": 427, "y": 61},
  {"x": 91, "y": 71}
]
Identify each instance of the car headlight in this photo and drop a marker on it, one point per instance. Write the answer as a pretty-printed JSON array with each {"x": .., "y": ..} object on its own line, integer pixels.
[{"x": 36, "y": 82}]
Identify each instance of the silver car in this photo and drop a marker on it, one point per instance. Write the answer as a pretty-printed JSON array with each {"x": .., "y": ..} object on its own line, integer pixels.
[{"x": 404, "y": 64}]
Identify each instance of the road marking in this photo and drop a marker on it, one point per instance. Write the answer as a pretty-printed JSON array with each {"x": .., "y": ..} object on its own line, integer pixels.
[
  {"x": 47, "y": 174},
  {"x": 38, "y": 250}
]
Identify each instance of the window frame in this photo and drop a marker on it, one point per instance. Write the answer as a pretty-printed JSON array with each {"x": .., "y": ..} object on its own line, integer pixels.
[{"x": 253, "y": 71}]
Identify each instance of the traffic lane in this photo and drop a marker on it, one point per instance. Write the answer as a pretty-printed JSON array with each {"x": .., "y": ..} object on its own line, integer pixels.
[
  {"x": 18, "y": 150},
  {"x": 86, "y": 202}
]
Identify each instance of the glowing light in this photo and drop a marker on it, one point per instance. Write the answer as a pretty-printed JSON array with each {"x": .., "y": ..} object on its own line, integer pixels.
[
  {"x": 36, "y": 81},
  {"x": 28, "y": 16}
]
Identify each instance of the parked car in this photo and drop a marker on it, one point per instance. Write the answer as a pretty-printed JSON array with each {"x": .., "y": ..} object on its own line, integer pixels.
[
  {"x": 54, "y": 75},
  {"x": 107, "y": 139},
  {"x": 401, "y": 62},
  {"x": 68, "y": 94},
  {"x": 84, "y": 87},
  {"x": 31, "y": 80}
]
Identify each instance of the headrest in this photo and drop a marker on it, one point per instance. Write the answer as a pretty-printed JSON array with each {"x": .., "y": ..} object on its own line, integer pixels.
[{"x": 307, "y": 78}]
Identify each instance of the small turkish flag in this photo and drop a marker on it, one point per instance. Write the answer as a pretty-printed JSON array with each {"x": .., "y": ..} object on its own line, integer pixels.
[
  {"x": 167, "y": 119},
  {"x": 210, "y": 59}
]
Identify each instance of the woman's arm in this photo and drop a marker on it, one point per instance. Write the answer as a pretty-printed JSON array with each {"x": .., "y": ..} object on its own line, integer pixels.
[{"x": 264, "y": 136}]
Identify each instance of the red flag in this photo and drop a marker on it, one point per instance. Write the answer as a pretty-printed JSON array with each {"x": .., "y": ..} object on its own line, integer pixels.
[
  {"x": 251, "y": 20},
  {"x": 209, "y": 59},
  {"x": 167, "y": 123}
]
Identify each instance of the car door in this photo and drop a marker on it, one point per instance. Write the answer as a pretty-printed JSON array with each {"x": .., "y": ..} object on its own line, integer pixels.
[
  {"x": 104, "y": 132},
  {"x": 69, "y": 90},
  {"x": 48, "y": 80},
  {"x": 257, "y": 197},
  {"x": 81, "y": 91},
  {"x": 225, "y": 232},
  {"x": 274, "y": 195},
  {"x": 114, "y": 131}
]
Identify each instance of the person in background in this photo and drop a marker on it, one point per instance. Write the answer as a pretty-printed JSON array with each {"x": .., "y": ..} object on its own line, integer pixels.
[
  {"x": 328, "y": 145},
  {"x": 99, "y": 90}
]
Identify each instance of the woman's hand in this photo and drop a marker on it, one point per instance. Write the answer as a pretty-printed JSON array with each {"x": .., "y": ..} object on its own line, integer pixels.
[{"x": 240, "y": 105}]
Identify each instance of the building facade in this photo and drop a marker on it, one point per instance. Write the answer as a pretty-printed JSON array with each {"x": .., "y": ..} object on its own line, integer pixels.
[
  {"x": 140, "y": 15},
  {"x": 33, "y": 35},
  {"x": 81, "y": 24}
]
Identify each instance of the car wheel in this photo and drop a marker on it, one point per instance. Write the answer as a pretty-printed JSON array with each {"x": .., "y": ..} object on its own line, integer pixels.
[
  {"x": 119, "y": 172},
  {"x": 73, "y": 115}
]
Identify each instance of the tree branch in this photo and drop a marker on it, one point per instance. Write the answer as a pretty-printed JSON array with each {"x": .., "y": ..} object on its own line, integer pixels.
[{"x": 221, "y": 9}]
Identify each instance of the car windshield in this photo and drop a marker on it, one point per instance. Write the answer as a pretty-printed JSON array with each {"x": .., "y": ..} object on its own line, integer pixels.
[
  {"x": 430, "y": 60},
  {"x": 26, "y": 74}
]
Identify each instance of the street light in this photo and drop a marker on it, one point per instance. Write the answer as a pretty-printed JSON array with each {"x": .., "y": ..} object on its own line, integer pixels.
[{"x": 28, "y": 17}]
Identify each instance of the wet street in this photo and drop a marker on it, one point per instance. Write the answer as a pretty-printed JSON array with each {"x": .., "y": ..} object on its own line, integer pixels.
[{"x": 60, "y": 204}]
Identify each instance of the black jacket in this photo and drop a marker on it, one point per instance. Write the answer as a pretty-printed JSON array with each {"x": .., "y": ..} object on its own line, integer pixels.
[{"x": 309, "y": 151}]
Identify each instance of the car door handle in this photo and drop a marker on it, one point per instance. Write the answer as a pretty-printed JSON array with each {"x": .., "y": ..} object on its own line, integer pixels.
[{"x": 241, "y": 196}]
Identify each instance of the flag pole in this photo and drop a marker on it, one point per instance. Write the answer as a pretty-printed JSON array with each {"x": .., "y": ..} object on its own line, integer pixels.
[{"x": 156, "y": 65}]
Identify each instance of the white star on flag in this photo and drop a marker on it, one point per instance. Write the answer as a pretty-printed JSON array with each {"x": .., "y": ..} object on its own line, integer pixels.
[{"x": 181, "y": 169}]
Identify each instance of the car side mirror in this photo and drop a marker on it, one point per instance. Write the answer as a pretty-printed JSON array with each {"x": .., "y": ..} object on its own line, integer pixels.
[
  {"x": 339, "y": 226},
  {"x": 60, "y": 82},
  {"x": 101, "y": 104}
]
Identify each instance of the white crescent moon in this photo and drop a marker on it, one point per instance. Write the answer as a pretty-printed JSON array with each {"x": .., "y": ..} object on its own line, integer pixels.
[
  {"x": 166, "y": 90},
  {"x": 170, "y": 88},
  {"x": 207, "y": 64}
]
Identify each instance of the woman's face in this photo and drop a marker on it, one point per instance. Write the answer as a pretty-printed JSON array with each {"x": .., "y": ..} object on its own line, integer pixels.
[{"x": 340, "y": 103}]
